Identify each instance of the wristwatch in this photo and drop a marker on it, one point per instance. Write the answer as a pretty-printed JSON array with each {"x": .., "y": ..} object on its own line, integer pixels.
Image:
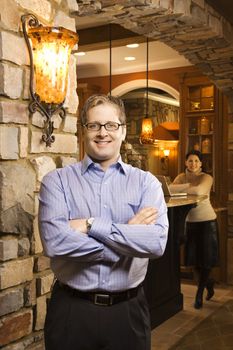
[{"x": 89, "y": 223}]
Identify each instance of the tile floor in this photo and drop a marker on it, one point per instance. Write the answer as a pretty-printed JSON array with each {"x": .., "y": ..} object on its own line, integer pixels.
[{"x": 169, "y": 333}]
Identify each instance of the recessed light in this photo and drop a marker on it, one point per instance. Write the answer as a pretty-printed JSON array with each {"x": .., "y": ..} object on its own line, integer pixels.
[
  {"x": 130, "y": 58},
  {"x": 81, "y": 53},
  {"x": 132, "y": 46}
]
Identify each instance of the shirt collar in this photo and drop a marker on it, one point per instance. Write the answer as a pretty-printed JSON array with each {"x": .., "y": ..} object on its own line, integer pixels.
[{"x": 87, "y": 162}]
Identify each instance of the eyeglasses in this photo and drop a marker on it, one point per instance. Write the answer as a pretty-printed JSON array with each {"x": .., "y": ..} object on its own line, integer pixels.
[{"x": 109, "y": 126}]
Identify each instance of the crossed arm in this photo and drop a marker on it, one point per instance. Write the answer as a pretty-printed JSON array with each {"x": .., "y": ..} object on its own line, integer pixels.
[
  {"x": 144, "y": 235},
  {"x": 146, "y": 216}
]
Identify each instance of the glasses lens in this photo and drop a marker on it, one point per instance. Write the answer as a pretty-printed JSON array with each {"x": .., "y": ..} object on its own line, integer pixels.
[
  {"x": 93, "y": 126},
  {"x": 111, "y": 126}
]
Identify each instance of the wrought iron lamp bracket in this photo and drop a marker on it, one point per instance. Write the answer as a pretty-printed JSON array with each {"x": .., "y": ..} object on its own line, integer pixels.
[{"x": 47, "y": 110}]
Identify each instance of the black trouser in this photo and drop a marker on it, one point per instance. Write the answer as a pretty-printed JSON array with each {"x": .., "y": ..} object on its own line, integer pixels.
[{"x": 77, "y": 324}]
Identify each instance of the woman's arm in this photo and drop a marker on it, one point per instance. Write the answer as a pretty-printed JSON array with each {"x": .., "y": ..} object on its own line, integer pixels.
[
  {"x": 179, "y": 184},
  {"x": 201, "y": 187}
]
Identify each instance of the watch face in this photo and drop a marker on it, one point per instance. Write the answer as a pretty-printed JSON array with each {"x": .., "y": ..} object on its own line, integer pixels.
[{"x": 89, "y": 223}]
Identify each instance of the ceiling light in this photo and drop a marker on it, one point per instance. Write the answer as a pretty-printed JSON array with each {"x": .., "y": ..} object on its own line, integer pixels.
[
  {"x": 132, "y": 46},
  {"x": 130, "y": 58}
]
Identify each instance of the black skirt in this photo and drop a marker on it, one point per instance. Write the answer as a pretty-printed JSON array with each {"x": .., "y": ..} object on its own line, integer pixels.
[{"x": 201, "y": 246}]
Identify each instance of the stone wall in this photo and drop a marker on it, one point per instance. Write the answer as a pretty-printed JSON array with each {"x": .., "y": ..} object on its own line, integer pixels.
[{"x": 25, "y": 276}]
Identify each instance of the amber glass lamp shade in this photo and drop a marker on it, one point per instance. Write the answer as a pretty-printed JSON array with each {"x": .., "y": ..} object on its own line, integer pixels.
[
  {"x": 147, "y": 131},
  {"x": 51, "y": 47}
]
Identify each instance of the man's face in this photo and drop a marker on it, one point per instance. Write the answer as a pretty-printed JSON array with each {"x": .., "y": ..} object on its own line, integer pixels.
[{"x": 104, "y": 146}]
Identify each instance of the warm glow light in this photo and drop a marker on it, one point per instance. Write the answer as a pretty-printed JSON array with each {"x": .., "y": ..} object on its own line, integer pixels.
[
  {"x": 130, "y": 58},
  {"x": 132, "y": 46},
  {"x": 51, "y": 53},
  {"x": 81, "y": 53},
  {"x": 147, "y": 131},
  {"x": 166, "y": 152}
]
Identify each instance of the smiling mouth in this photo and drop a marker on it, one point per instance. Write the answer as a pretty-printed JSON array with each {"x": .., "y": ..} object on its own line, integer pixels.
[{"x": 102, "y": 142}]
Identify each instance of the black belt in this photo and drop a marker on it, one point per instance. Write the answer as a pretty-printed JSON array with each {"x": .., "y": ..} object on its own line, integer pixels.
[{"x": 102, "y": 298}]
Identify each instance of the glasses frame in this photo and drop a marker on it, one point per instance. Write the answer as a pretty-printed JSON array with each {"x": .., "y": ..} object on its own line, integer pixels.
[{"x": 103, "y": 125}]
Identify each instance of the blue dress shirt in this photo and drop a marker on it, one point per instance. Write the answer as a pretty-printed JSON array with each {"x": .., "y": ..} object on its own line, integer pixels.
[{"x": 114, "y": 255}]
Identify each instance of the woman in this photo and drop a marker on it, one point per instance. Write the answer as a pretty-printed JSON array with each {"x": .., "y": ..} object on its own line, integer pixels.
[{"x": 201, "y": 246}]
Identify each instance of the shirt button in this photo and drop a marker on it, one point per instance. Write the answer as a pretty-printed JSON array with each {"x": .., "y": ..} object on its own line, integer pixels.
[
  {"x": 103, "y": 281},
  {"x": 105, "y": 206}
]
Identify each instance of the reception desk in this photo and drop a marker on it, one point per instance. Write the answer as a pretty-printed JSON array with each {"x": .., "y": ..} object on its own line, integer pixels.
[{"x": 162, "y": 283}]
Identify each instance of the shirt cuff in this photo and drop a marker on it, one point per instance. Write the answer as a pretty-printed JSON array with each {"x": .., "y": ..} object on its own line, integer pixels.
[{"x": 100, "y": 229}]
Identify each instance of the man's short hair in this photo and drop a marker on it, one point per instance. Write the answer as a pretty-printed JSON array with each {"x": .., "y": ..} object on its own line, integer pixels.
[{"x": 98, "y": 99}]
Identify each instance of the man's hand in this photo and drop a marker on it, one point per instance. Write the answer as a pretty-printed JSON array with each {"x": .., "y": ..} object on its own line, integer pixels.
[
  {"x": 146, "y": 216},
  {"x": 79, "y": 224}
]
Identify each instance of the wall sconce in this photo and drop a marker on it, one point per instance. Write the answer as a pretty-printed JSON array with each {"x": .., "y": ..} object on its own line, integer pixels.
[
  {"x": 166, "y": 152},
  {"x": 49, "y": 52}
]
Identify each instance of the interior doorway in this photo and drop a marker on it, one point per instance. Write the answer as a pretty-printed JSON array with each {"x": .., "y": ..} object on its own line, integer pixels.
[{"x": 161, "y": 157}]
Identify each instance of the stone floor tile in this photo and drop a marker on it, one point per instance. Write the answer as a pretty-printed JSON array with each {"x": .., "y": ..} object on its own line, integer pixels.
[
  {"x": 213, "y": 344},
  {"x": 203, "y": 329}
]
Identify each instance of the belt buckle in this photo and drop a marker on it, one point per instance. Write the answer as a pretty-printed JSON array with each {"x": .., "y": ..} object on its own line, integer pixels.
[{"x": 106, "y": 299}]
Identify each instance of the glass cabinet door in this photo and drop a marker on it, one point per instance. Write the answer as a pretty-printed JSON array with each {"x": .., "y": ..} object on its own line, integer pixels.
[
  {"x": 200, "y": 137},
  {"x": 200, "y": 98}
]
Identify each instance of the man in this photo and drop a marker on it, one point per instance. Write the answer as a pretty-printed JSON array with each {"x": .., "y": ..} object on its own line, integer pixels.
[{"x": 100, "y": 222}]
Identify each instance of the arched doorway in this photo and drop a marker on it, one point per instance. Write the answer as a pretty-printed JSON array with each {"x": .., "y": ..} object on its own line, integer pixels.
[
  {"x": 161, "y": 157},
  {"x": 141, "y": 83}
]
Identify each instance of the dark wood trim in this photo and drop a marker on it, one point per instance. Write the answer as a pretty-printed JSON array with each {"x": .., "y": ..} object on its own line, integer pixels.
[{"x": 97, "y": 38}]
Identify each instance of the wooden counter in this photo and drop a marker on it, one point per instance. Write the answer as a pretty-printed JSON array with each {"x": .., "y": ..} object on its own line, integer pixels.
[
  {"x": 178, "y": 201},
  {"x": 162, "y": 282}
]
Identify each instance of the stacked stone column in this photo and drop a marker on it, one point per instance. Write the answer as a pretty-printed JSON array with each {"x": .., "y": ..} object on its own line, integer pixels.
[{"x": 25, "y": 275}]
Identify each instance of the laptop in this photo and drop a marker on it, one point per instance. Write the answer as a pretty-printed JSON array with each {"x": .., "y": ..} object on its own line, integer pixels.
[{"x": 165, "y": 186}]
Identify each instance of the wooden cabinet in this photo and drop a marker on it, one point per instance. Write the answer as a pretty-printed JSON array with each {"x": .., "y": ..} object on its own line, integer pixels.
[
  {"x": 200, "y": 117},
  {"x": 203, "y": 126},
  {"x": 198, "y": 121}
]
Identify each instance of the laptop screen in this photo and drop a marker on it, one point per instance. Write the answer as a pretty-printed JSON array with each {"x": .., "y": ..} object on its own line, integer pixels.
[{"x": 165, "y": 181}]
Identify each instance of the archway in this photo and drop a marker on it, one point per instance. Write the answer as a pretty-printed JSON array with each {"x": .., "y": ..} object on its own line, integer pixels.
[
  {"x": 164, "y": 110},
  {"x": 141, "y": 83}
]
